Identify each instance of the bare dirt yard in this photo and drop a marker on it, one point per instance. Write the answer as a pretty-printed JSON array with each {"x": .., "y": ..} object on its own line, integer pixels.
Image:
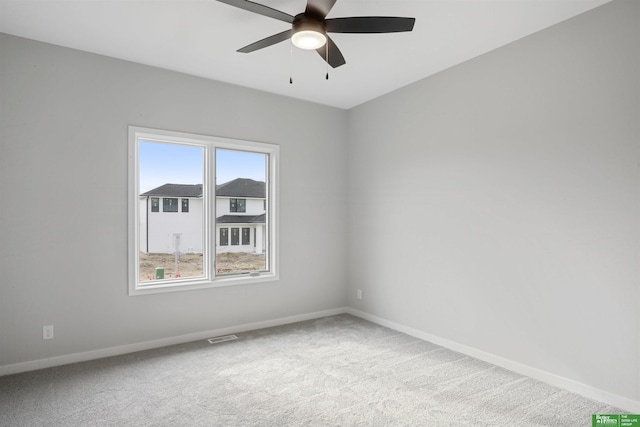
[{"x": 190, "y": 265}]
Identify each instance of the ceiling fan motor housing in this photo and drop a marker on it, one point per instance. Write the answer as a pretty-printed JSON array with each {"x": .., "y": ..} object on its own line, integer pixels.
[{"x": 309, "y": 22}]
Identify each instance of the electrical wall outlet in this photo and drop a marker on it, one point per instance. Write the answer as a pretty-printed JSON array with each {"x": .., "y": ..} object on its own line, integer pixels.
[
  {"x": 47, "y": 332},
  {"x": 359, "y": 294}
]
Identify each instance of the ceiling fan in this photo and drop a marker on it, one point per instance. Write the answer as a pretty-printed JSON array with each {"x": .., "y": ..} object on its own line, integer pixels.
[{"x": 309, "y": 29}]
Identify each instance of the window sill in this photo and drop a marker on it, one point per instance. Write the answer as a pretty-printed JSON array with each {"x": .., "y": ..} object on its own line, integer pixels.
[{"x": 198, "y": 283}]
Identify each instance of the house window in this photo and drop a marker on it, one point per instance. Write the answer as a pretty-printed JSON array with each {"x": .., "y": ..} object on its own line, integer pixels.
[
  {"x": 169, "y": 204},
  {"x": 235, "y": 236},
  {"x": 237, "y": 205},
  {"x": 199, "y": 174}
]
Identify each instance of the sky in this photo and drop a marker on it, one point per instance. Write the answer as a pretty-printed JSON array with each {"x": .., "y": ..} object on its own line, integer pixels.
[{"x": 162, "y": 163}]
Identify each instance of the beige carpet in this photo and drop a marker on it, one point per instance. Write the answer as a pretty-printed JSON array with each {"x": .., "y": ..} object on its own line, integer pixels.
[{"x": 335, "y": 371}]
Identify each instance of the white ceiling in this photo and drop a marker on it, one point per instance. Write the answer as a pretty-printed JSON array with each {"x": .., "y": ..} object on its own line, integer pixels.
[{"x": 200, "y": 37}]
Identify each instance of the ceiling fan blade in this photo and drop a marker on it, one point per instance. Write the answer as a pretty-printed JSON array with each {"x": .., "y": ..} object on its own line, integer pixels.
[
  {"x": 259, "y": 9},
  {"x": 269, "y": 41},
  {"x": 335, "y": 56},
  {"x": 370, "y": 24},
  {"x": 319, "y": 7}
]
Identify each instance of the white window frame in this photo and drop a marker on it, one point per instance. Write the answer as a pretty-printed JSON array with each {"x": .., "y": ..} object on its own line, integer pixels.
[{"x": 209, "y": 145}]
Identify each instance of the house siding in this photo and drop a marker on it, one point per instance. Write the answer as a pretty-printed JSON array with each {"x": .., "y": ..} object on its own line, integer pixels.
[
  {"x": 164, "y": 226},
  {"x": 158, "y": 230}
]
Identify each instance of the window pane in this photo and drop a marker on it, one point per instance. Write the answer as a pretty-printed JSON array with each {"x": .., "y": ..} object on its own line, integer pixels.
[
  {"x": 242, "y": 204},
  {"x": 170, "y": 246},
  {"x": 238, "y": 205},
  {"x": 169, "y": 205},
  {"x": 235, "y": 236}
]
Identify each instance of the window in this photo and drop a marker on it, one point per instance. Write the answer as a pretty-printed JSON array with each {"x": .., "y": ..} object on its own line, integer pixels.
[
  {"x": 237, "y": 205},
  {"x": 226, "y": 186},
  {"x": 169, "y": 205},
  {"x": 235, "y": 236}
]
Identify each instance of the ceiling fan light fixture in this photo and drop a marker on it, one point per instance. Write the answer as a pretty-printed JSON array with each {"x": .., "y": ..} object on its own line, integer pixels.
[
  {"x": 308, "y": 39},
  {"x": 308, "y": 32}
]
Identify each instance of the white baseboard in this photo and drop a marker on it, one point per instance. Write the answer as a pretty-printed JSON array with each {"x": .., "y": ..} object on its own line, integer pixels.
[
  {"x": 621, "y": 402},
  {"x": 585, "y": 390},
  {"x": 148, "y": 345}
]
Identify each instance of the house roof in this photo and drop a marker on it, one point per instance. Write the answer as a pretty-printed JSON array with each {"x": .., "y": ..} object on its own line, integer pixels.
[
  {"x": 176, "y": 190},
  {"x": 239, "y": 187},
  {"x": 241, "y": 219},
  {"x": 242, "y": 187}
]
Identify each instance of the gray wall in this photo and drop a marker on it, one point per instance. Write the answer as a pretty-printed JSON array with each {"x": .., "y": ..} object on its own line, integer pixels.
[
  {"x": 63, "y": 187},
  {"x": 496, "y": 204}
]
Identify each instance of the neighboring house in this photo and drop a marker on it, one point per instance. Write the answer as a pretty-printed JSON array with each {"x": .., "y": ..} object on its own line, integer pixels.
[
  {"x": 171, "y": 218},
  {"x": 240, "y": 216}
]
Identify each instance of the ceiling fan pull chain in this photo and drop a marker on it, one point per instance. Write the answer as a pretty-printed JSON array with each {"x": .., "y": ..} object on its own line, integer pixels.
[
  {"x": 326, "y": 46},
  {"x": 291, "y": 65}
]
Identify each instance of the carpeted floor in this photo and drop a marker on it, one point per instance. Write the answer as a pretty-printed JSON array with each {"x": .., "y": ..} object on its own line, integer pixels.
[{"x": 335, "y": 371}]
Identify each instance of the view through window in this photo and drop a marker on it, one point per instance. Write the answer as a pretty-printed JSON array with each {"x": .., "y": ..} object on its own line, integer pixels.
[
  {"x": 241, "y": 217},
  {"x": 204, "y": 211},
  {"x": 171, "y": 242}
]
